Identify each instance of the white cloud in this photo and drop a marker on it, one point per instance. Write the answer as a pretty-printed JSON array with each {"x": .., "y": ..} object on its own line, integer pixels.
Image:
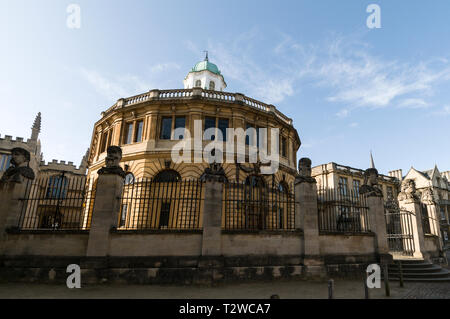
[
  {"x": 114, "y": 87},
  {"x": 160, "y": 67},
  {"x": 413, "y": 103},
  {"x": 345, "y": 67}
]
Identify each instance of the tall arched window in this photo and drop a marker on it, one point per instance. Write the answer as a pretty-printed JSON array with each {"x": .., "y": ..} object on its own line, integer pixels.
[
  {"x": 57, "y": 187},
  {"x": 129, "y": 179},
  {"x": 198, "y": 83},
  {"x": 167, "y": 175},
  {"x": 212, "y": 85},
  {"x": 283, "y": 187}
]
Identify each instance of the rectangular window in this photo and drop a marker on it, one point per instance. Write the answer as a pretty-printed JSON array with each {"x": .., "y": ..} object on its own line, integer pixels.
[
  {"x": 8, "y": 162},
  {"x": 103, "y": 142},
  {"x": 443, "y": 213},
  {"x": 283, "y": 146},
  {"x": 166, "y": 128},
  {"x": 138, "y": 134},
  {"x": 210, "y": 122},
  {"x": 343, "y": 189},
  {"x": 128, "y": 133},
  {"x": 2, "y": 162},
  {"x": 280, "y": 218},
  {"x": 180, "y": 124},
  {"x": 356, "y": 185},
  {"x": 250, "y": 136},
  {"x": 123, "y": 215},
  {"x": 390, "y": 192},
  {"x": 164, "y": 215},
  {"x": 223, "y": 125},
  {"x": 109, "y": 141}
]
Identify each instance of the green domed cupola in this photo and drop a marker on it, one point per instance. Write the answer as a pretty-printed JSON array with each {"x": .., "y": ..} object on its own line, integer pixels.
[
  {"x": 205, "y": 75},
  {"x": 206, "y": 65}
]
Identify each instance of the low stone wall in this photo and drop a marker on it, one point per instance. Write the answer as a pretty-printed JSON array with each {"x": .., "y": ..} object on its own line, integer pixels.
[
  {"x": 346, "y": 244},
  {"x": 235, "y": 243},
  {"x": 61, "y": 243},
  {"x": 163, "y": 243},
  {"x": 432, "y": 246}
]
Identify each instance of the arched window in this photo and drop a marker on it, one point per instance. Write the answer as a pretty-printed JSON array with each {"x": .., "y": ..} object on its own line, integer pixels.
[
  {"x": 254, "y": 180},
  {"x": 57, "y": 187},
  {"x": 212, "y": 85},
  {"x": 167, "y": 175},
  {"x": 198, "y": 83},
  {"x": 283, "y": 187},
  {"x": 129, "y": 179}
]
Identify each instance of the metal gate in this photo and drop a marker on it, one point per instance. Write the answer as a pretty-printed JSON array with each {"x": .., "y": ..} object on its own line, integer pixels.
[{"x": 399, "y": 227}]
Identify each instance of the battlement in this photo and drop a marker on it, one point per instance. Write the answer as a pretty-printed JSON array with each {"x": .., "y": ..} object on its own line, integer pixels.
[
  {"x": 8, "y": 142},
  {"x": 62, "y": 166}
]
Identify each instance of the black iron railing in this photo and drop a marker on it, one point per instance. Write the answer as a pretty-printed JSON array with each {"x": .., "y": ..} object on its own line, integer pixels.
[
  {"x": 257, "y": 207},
  {"x": 57, "y": 202},
  {"x": 149, "y": 204},
  {"x": 341, "y": 211}
]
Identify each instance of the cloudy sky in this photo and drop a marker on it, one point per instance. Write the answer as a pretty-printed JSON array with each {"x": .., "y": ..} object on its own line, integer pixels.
[{"x": 348, "y": 88}]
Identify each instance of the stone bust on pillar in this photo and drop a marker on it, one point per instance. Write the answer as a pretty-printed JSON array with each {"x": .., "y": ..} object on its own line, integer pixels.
[
  {"x": 408, "y": 192},
  {"x": 112, "y": 160},
  {"x": 370, "y": 183},
  {"x": 304, "y": 169},
  {"x": 20, "y": 169}
]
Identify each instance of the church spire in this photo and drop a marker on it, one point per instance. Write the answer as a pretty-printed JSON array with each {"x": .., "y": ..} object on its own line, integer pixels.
[
  {"x": 372, "y": 164},
  {"x": 206, "y": 56},
  {"x": 36, "y": 128}
]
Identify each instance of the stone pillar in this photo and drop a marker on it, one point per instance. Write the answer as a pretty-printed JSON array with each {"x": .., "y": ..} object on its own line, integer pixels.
[
  {"x": 106, "y": 205},
  {"x": 413, "y": 205},
  {"x": 11, "y": 205},
  {"x": 306, "y": 217},
  {"x": 377, "y": 224},
  {"x": 212, "y": 219}
]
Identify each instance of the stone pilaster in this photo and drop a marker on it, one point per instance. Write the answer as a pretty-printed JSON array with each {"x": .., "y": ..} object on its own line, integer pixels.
[
  {"x": 212, "y": 219},
  {"x": 306, "y": 216},
  {"x": 105, "y": 213},
  {"x": 413, "y": 205},
  {"x": 377, "y": 223},
  {"x": 10, "y": 208}
]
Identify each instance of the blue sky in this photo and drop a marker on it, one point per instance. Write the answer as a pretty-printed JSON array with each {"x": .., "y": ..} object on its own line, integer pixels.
[{"x": 348, "y": 88}]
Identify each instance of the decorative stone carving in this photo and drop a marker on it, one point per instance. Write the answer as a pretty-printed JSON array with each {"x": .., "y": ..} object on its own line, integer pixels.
[
  {"x": 112, "y": 160},
  {"x": 428, "y": 196},
  {"x": 214, "y": 172},
  {"x": 304, "y": 169},
  {"x": 20, "y": 169},
  {"x": 408, "y": 191},
  {"x": 370, "y": 187}
]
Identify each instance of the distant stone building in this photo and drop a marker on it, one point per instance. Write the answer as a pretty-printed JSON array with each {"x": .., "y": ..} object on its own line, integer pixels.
[
  {"x": 433, "y": 187},
  {"x": 348, "y": 180}
]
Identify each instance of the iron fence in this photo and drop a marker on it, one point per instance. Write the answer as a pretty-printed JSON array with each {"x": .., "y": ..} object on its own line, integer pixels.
[
  {"x": 399, "y": 228},
  {"x": 257, "y": 207},
  {"x": 150, "y": 204},
  {"x": 342, "y": 211},
  {"x": 57, "y": 202}
]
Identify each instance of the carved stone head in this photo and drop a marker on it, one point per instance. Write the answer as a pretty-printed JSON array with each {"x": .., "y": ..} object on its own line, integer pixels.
[
  {"x": 113, "y": 157},
  {"x": 371, "y": 177},
  {"x": 19, "y": 156},
  {"x": 304, "y": 167}
]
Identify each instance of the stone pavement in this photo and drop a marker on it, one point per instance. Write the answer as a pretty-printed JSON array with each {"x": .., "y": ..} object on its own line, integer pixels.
[{"x": 293, "y": 289}]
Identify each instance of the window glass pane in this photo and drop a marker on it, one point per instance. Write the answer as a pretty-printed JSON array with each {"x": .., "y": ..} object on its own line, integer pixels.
[
  {"x": 212, "y": 85},
  {"x": 283, "y": 146},
  {"x": 166, "y": 127},
  {"x": 223, "y": 125},
  {"x": 2, "y": 162},
  {"x": 123, "y": 215},
  {"x": 129, "y": 131},
  {"x": 8, "y": 162},
  {"x": 250, "y": 136},
  {"x": 139, "y": 126},
  {"x": 180, "y": 123},
  {"x": 209, "y": 123},
  {"x": 103, "y": 143}
]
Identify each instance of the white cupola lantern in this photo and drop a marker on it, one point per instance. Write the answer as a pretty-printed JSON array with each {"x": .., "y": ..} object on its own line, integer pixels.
[{"x": 205, "y": 75}]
